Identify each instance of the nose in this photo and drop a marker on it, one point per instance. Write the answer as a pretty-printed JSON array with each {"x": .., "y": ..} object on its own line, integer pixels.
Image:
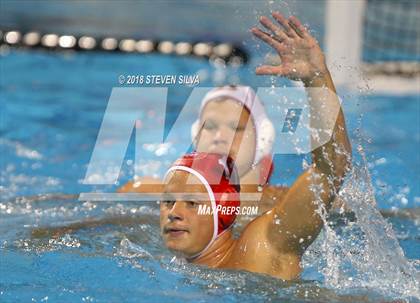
[
  {"x": 177, "y": 211},
  {"x": 221, "y": 134}
]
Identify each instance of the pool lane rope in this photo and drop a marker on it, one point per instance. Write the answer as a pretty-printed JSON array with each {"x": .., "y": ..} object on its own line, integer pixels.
[{"x": 227, "y": 52}]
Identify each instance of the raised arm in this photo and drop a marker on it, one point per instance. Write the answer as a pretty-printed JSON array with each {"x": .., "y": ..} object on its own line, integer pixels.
[{"x": 295, "y": 222}]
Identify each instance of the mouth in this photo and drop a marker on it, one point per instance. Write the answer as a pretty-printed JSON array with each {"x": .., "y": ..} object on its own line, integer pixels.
[
  {"x": 175, "y": 231},
  {"x": 219, "y": 143},
  {"x": 219, "y": 147}
]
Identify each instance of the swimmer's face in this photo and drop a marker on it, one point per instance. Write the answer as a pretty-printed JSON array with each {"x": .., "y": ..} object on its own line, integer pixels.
[
  {"x": 222, "y": 133},
  {"x": 183, "y": 230}
]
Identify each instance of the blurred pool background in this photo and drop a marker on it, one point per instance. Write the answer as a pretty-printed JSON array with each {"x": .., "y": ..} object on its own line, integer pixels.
[{"x": 52, "y": 105}]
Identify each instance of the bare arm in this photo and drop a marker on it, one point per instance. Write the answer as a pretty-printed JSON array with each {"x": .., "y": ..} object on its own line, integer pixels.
[{"x": 295, "y": 222}]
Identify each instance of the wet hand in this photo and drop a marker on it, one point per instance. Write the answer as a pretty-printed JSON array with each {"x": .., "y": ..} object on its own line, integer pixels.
[{"x": 300, "y": 54}]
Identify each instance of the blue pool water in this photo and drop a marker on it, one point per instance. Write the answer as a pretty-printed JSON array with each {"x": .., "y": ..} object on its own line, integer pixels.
[{"x": 52, "y": 106}]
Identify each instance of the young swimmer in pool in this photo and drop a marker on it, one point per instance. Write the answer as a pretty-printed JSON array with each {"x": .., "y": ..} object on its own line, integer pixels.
[
  {"x": 271, "y": 244},
  {"x": 301, "y": 59},
  {"x": 249, "y": 143},
  {"x": 274, "y": 242}
]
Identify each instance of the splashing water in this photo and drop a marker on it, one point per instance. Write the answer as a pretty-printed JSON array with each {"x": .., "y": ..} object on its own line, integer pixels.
[
  {"x": 354, "y": 256},
  {"x": 113, "y": 263},
  {"x": 363, "y": 252}
]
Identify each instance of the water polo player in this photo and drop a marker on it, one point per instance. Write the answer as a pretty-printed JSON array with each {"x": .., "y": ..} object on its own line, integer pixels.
[
  {"x": 301, "y": 59},
  {"x": 272, "y": 244},
  {"x": 248, "y": 140}
]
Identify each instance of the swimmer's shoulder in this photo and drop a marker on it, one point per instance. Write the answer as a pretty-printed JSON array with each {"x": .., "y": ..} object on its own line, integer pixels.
[
  {"x": 271, "y": 195},
  {"x": 254, "y": 252},
  {"x": 258, "y": 227},
  {"x": 253, "y": 239},
  {"x": 274, "y": 192}
]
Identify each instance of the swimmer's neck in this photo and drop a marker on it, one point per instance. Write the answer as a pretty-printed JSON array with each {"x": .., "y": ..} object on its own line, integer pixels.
[{"x": 218, "y": 252}]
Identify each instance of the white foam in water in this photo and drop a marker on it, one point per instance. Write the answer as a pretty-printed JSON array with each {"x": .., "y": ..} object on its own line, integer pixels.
[
  {"x": 354, "y": 258},
  {"x": 365, "y": 253},
  {"x": 130, "y": 250}
]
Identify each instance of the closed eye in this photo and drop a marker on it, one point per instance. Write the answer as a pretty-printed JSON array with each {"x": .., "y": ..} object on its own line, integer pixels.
[
  {"x": 209, "y": 125},
  {"x": 167, "y": 200},
  {"x": 167, "y": 203},
  {"x": 192, "y": 204},
  {"x": 236, "y": 127}
]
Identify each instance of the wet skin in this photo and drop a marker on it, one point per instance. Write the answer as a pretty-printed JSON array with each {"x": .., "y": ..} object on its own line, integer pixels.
[
  {"x": 264, "y": 246},
  {"x": 231, "y": 134},
  {"x": 275, "y": 241},
  {"x": 183, "y": 230}
]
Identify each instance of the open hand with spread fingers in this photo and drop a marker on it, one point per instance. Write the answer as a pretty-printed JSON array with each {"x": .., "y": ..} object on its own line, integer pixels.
[{"x": 300, "y": 54}]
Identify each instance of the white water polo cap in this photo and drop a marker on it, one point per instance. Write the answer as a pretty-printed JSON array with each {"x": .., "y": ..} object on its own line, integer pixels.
[{"x": 245, "y": 95}]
